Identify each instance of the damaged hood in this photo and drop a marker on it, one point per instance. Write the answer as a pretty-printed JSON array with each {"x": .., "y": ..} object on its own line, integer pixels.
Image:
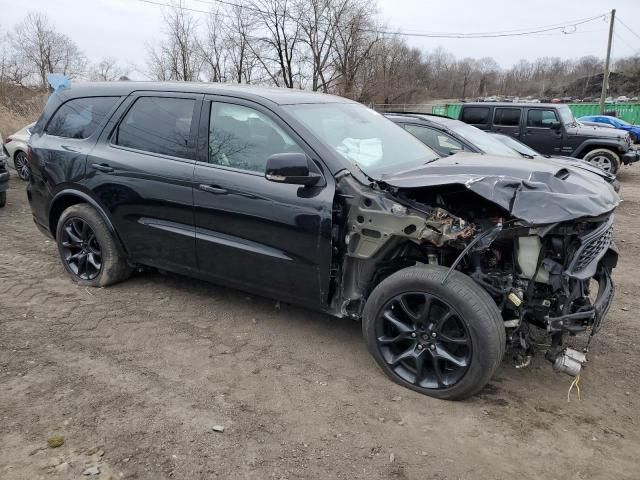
[{"x": 538, "y": 191}]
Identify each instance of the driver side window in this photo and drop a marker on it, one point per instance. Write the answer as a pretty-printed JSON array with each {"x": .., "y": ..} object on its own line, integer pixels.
[{"x": 243, "y": 138}]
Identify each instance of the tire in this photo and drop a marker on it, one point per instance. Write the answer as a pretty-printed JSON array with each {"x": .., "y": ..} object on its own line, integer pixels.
[
  {"x": 470, "y": 308},
  {"x": 83, "y": 234},
  {"x": 21, "y": 164},
  {"x": 603, "y": 158},
  {"x": 3, "y": 199}
]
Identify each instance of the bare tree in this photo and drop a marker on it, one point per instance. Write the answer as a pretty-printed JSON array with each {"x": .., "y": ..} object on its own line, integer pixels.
[
  {"x": 44, "y": 51},
  {"x": 239, "y": 30},
  {"x": 107, "y": 70},
  {"x": 177, "y": 56},
  {"x": 278, "y": 26},
  {"x": 213, "y": 49},
  {"x": 356, "y": 37},
  {"x": 320, "y": 21}
]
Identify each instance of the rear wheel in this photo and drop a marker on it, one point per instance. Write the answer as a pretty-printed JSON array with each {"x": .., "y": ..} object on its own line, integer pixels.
[
  {"x": 88, "y": 250},
  {"x": 442, "y": 341},
  {"x": 3, "y": 199},
  {"x": 22, "y": 165},
  {"x": 604, "y": 159}
]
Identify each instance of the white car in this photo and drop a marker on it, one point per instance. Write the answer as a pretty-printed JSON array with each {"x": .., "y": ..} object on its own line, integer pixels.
[{"x": 16, "y": 146}]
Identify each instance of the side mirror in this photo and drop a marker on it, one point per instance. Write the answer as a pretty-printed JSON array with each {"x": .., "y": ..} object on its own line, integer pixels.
[
  {"x": 555, "y": 125},
  {"x": 293, "y": 168}
]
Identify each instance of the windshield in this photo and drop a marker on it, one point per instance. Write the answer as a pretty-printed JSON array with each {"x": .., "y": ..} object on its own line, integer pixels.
[
  {"x": 483, "y": 140},
  {"x": 516, "y": 145},
  {"x": 565, "y": 115},
  {"x": 363, "y": 137}
]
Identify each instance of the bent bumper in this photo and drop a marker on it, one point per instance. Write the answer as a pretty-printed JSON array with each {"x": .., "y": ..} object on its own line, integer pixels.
[
  {"x": 630, "y": 157},
  {"x": 594, "y": 314}
]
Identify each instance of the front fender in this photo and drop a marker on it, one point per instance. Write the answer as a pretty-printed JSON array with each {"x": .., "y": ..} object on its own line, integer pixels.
[{"x": 613, "y": 144}]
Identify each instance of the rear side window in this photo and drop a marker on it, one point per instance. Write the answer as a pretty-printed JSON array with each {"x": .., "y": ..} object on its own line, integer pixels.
[
  {"x": 475, "y": 115},
  {"x": 507, "y": 117},
  {"x": 541, "y": 118},
  {"x": 158, "y": 125},
  {"x": 80, "y": 117},
  {"x": 440, "y": 142}
]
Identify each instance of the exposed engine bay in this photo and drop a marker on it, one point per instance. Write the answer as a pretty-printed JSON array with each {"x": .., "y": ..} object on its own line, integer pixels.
[{"x": 550, "y": 280}]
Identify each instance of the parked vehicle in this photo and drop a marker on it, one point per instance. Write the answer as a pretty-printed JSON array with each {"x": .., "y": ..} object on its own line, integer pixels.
[
  {"x": 599, "y": 125},
  {"x": 614, "y": 122},
  {"x": 4, "y": 176},
  {"x": 320, "y": 201},
  {"x": 16, "y": 146},
  {"x": 551, "y": 130},
  {"x": 447, "y": 136}
]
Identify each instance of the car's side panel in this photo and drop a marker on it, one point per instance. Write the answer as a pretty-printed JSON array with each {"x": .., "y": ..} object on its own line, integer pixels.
[
  {"x": 149, "y": 196},
  {"x": 57, "y": 162},
  {"x": 270, "y": 238}
]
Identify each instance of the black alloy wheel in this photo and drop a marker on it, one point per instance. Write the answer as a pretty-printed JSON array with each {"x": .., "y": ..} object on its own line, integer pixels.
[
  {"x": 424, "y": 340},
  {"x": 21, "y": 164},
  {"x": 80, "y": 249}
]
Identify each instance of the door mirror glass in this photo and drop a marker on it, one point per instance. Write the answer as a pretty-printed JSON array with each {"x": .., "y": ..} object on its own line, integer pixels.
[{"x": 293, "y": 168}]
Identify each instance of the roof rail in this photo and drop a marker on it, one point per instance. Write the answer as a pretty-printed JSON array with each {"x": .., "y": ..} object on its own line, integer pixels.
[{"x": 415, "y": 113}]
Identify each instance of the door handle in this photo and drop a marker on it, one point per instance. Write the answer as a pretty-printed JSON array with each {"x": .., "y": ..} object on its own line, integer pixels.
[
  {"x": 102, "y": 167},
  {"x": 213, "y": 189}
]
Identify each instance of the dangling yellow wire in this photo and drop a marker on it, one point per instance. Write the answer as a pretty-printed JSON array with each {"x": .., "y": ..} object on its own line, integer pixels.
[{"x": 575, "y": 383}]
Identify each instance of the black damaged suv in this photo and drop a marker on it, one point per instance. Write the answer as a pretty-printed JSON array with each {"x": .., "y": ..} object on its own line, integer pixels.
[
  {"x": 320, "y": 201},
  {"x": 551, "y": 129}
]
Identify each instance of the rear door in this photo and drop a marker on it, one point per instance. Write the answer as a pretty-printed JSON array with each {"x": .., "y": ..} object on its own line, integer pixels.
[
  {"x": 478, "y": 116},
  {"x": 506, "y": 120},
  {"x": 538, "y": 133},
  {"x": 257, "y": 235},
  {"x": 141, "y": 171}
]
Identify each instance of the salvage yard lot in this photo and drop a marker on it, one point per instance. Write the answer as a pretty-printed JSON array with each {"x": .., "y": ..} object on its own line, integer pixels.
[{"x": 143, "y": 370}]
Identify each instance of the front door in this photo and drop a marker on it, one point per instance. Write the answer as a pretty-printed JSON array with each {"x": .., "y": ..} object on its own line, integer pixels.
[
  {"x": 142, "y": 172},
  {"x": 251, "y": 233},
  {"x": 539, "y": 133}
]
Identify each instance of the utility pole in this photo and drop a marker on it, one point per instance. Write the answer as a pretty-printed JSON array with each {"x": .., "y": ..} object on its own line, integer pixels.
[{"x": 605, "y": 80}]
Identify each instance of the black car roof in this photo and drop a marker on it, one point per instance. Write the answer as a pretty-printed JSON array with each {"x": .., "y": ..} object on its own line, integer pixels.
[
  {"x": 510, "y": 104},
  {"x": 279, "y": 96}
]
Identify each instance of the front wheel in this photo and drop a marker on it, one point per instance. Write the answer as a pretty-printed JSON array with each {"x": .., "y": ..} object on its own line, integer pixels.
[
  {"x": 604, "y": 159},
  {"x": 445, "y": 341},
  {"x": 3, "y": 199}
]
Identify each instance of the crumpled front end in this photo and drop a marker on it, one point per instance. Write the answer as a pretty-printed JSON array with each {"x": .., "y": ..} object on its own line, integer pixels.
[{"x": 540, "y": 245}]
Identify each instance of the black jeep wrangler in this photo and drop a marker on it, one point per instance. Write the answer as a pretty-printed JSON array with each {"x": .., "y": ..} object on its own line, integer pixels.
[{"x": 552, "y": 130}]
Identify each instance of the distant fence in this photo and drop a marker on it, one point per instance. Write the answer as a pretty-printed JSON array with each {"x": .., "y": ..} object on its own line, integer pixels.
[{"x": 626, "y": 111}]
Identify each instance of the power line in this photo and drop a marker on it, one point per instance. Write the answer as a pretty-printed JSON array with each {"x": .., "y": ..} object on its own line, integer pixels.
[
  {"x": 506, "y": 33},
  {"x": 627, "y": 27},
  {"x": 619, "y": 37}
]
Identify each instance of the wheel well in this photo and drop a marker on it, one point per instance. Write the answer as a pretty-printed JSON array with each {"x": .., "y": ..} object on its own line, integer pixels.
[
  {"x": 59, "y": 206},
  {"x": 591, "y": 148}
]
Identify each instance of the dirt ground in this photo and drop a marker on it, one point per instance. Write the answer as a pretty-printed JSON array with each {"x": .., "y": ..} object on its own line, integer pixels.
[{"x": 136, "y": 375}]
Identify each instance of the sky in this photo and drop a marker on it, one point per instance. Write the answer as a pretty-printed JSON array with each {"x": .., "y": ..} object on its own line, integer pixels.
[{"x": 123, "y": 28}]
